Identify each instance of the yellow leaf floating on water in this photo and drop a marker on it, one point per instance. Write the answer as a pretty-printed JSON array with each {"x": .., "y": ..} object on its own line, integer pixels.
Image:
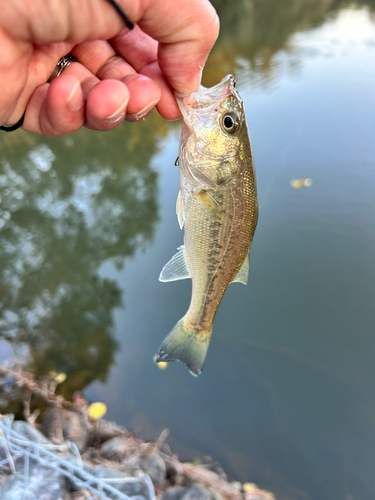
[
  {"x": 295, "y": 183},
  {"x": 60, "y": 378},
  {"x": 162, "y": 365},
  {"x": 252, "y": 491},
  {"x": 300, "y": 183},
  {"x": 249, "y": 487},
  {"x": 97, "y": 410}
]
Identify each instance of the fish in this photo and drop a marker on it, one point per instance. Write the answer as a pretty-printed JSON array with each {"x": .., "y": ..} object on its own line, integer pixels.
[{"x": 218, "y": 208}]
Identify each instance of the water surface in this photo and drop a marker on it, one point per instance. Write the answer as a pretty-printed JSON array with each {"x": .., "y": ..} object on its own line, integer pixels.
[{"x": 286, "y": 398}]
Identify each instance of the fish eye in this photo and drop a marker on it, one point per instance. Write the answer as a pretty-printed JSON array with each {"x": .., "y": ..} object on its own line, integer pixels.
[{"x": 230, "y": 123}]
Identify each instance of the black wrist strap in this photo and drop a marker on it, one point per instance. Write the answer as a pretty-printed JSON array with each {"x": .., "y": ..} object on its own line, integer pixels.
[{"x": 15, "y": 126}]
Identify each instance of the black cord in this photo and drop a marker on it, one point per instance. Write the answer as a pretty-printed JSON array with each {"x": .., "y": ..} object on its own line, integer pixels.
[
  {"x": 13, "y": 127},
  {"x": 122, "y": 14}
]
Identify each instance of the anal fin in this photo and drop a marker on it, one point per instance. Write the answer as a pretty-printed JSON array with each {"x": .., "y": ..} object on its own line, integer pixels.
[
  {"x": 243, "y": 274},
  {"x": 176, "y": 269}
]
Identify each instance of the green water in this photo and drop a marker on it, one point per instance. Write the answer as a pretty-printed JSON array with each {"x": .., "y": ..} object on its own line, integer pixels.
[{"x": 286, "y": 398}]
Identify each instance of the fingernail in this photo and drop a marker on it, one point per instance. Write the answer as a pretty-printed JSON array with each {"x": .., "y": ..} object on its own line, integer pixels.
[
  {"x": 198, "y": 79},
  {"x": 75, "y": 99},
  {"x": 119, "y": 113},
  {"x": 141, "y": 114}
]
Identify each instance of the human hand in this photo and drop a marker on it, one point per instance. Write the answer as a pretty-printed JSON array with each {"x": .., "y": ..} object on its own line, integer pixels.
[{"x": 125, "y": 76}]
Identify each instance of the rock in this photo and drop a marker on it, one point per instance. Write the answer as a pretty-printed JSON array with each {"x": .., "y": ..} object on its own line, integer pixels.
[
  {"x": 171, "y": 469},
  {"x": 63, "y": 424},
  {"x": 115, "y": 449},
  {"x": 174, "y": 493},
  {"x": 42, "y": 483},
  {"x": 29, "y": 432},
  {"x": 103, "y": 472},
  {"x": 236, "y": 486},
  {"x": 194, "y": 492},
  {"x": 130, "y": 486},
  {"x": 75, "y": 430},
  {"x": 197, "y": 492},
  {"x": 137, "y": 487},
  {"x": 3, "y": 455},
  {"x": 217, "y": 468},
  {"x": 154, "y": 466},
  {"x": 102, "y": 431}
]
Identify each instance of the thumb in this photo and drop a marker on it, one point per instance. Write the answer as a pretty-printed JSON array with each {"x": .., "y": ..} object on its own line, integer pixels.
[{"x": 186, "y": 32}]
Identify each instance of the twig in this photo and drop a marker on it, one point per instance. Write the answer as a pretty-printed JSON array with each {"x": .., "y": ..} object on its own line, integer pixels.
[
  {"x": 27, "y": 380},
  {"x": 160, "y": 441}
]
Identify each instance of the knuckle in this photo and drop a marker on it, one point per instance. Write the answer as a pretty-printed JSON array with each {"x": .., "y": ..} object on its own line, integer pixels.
[{"x": 112, "y": 68}]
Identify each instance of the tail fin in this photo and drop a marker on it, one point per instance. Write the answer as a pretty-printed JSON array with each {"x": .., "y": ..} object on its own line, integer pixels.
[{"x": 190, "y": 347}]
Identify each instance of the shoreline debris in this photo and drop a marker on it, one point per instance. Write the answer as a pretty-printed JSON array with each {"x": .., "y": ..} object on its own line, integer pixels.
[{"x": 75, "y": 442}]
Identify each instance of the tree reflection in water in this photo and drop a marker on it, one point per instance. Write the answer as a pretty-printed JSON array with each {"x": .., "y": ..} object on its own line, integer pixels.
[
  {"x": 67, "y": 206},
  {"x": 254, "y": 32}
]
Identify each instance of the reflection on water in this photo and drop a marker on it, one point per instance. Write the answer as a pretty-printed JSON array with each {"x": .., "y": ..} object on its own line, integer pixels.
[
  {"x": 256, "y": 35},
  {"x": 285, "y": 399},
  {"x": 66, "y": 207}
]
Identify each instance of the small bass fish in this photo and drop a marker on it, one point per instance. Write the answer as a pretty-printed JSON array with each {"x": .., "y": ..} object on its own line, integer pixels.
[{"x": 217, "y": 205}]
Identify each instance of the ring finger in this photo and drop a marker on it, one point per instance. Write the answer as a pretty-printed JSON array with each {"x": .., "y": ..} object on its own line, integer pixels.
[{"x": 74, "y": 98}]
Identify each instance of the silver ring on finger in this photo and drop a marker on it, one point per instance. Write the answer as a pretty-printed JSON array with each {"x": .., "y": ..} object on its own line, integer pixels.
[{"x": 63, "y": 63}]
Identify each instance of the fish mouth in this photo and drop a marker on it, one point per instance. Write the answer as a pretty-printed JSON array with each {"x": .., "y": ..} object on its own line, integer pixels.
[
  {"x": 206, "y": 95},
  {"x": 205, "y": 98}
]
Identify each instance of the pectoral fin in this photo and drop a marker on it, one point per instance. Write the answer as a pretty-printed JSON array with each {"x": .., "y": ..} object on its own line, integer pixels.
[
  {"x": 243, "y": 273},
  {"x": 180, "y": 209},
  {"x": 176, "y": 269},
  {"x": 209, "y": 202}
]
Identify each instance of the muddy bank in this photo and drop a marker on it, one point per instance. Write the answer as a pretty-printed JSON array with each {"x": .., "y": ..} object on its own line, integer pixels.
[{"x": 64, "y": 450}]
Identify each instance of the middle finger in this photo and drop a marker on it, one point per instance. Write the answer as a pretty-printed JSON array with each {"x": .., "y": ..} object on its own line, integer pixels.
[
  {"x": 128, "y": 54},
  {"x": 100, "y": 58},
  {"x": 106, "y": 102}
]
